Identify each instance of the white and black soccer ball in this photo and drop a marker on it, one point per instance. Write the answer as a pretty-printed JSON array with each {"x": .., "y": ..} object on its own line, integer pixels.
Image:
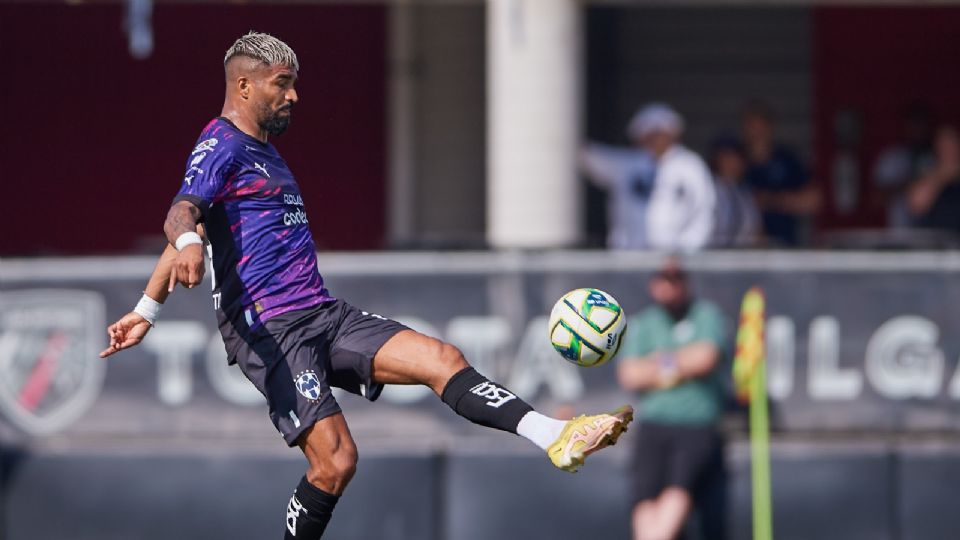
[{"x": 586, "y": 326}]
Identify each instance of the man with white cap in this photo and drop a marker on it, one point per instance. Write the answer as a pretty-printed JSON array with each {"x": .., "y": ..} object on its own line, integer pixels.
[
  {"x": 680, "y": 212},
  {"x": 626, "y": 174},
  {"x": 660, "y": 193}
]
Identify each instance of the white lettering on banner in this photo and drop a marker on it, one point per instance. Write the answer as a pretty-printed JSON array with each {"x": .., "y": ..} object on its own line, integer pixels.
[
  {"x": 825, "y": 379},
  {"x": 293, "y": 512},
  {"x": 781, "y": 337},
  {"x": 903, "y": 360},
  {"x": 495, "y": 395},
  {"x": 482, "y": 340},
  {"x": 536, "y": 365},
  {"x": 175, "y": 343}
]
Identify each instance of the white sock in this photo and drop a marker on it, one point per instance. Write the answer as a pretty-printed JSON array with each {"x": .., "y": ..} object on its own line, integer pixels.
[{"x": 541, "y": 430}]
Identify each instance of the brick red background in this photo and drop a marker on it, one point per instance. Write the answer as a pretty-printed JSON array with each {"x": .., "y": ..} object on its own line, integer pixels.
[{"x": 93, "y": 142}]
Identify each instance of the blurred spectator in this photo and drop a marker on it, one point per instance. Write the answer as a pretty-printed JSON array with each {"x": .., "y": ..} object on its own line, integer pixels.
[
  {"x": 671, "y": 355},
  {"x": 780, "y": 182},
  {"x": 736, "y": 218},
  {"x": 902, "y": 163},
  {"x": 680, "y": 216},
  {"x": 934, "y": 199},
  {"x": 659, "y": 193},
  {"x": 627, "y": 176}
]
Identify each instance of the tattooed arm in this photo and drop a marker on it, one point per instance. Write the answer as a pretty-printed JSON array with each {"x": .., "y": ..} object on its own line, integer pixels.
[{"x": 188, "y": 266}]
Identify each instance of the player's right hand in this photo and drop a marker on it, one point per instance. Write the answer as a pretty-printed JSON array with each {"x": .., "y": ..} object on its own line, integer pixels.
[
  {"x": 188, "y": 267},
  {"x": 125, "y": 333}
]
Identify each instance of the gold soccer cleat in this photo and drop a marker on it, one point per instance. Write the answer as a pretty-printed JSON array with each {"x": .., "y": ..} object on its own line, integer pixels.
[{"x": 585, "y": 435}]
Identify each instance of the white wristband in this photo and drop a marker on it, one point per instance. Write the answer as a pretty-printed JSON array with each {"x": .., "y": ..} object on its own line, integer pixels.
[
  {"x": 148, "y": 308},
  {"x": 186, "y": 239}
]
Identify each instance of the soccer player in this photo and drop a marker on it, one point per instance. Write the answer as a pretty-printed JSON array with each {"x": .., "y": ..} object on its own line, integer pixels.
[{"x": 279, "y": 323}]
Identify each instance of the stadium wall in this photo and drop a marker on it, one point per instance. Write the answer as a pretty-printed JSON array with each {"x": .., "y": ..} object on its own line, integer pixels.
[
  {"x": 863, "y": 380},
  {"x": 99, "y": 140}
]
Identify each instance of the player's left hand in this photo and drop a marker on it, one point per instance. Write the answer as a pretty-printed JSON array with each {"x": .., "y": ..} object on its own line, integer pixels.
[{"x": 125, "y": 333}]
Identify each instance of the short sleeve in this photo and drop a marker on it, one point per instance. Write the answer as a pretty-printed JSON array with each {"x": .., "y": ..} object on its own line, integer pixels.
[
  {"x": 636, "y": 342},
  {"x": 710, "y": 325},
  {"x": 207, "y": 169}
]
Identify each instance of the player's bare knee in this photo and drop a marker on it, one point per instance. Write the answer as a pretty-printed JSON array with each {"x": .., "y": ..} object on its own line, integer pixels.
[
  {"x": 335, "y": 471},
  {"x": 448, "y": 361},
  {"x": 451, "y": 359}
]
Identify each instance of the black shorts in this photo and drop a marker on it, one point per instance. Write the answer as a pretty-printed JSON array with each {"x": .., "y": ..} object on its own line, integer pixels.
[
  {"x": 673, "y": 455},
  {"x": 294, "y": 359}
]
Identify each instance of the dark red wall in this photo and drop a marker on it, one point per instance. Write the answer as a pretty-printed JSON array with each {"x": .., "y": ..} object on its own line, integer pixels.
[
  {"x": 93, "y": 143},
  {"x": 875, "y": 61}
]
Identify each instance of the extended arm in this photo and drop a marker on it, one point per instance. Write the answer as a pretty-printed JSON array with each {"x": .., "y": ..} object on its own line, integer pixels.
[
  {"x": 666, "y": 368},
  {"x": 180, "y": 228},
  {"x": 130, "y": 329}
]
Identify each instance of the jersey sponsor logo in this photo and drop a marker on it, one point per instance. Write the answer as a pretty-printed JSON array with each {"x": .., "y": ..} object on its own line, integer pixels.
[
  {"x": 293, "y": 513},
  {"x": 295, "y": 218},
  {"x": 188, "y": 179},
  {"x": 495, "y": 395},
  {"x": 293, "y": 199},
  {"x": 197, "y": 159},
  {"x": 203, "y": 146},
  {"x": 261, "y": 168},
  {"x": 308, "y": 384},
  {"x": 49, "y": 371}
]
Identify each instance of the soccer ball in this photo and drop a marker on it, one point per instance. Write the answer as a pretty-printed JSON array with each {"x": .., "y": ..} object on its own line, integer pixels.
[{"x": 586, "y": 326}]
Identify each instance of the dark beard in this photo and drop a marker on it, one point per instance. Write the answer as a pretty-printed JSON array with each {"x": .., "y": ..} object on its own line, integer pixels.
[
  {"x": 273, "y": 123},
  {"x": 276, "y": 124}
]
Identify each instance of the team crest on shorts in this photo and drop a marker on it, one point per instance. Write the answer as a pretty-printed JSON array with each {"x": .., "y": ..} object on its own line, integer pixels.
[{"x": 308, "y": 384}]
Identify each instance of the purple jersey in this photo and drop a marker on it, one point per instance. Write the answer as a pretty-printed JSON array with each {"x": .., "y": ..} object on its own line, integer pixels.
[{"x": 264, "y": 259}]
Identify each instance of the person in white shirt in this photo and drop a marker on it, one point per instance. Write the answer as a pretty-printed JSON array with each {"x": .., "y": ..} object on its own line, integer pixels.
[
  {"x": 626, "y": 174},
  {"x": 680, "y": 212}
]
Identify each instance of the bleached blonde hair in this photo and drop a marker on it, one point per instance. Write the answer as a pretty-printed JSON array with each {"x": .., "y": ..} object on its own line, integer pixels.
[{"x": 265, "y": 48}]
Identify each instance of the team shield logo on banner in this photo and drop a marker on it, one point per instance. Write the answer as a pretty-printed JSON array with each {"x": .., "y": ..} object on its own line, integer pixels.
[{"x": 49, "y": 370}]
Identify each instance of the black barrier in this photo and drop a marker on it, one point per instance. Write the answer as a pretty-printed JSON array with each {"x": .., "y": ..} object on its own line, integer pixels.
[
  {"x": 146, "y": 497},
  {"x": 861, "y": 342},
  {"x": 821, "y": 490},
  {"x": 928, "y": 482}
]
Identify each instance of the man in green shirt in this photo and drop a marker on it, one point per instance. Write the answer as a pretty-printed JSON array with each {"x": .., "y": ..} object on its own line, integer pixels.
[{"x": 671, "y": 356}]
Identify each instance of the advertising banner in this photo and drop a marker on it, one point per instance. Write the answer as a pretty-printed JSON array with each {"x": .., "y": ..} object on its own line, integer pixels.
[{"x": 855, "y": 341}]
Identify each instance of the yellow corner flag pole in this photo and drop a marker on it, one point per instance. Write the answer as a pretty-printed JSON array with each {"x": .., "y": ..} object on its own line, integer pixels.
[{"x": 750, "y": 383}]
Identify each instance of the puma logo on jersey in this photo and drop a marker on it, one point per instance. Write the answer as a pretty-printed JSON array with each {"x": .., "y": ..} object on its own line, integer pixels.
[{"x": 261, "y": 168}]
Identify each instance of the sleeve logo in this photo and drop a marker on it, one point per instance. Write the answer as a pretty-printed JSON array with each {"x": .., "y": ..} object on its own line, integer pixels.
[{"x": 208, "y": 144}]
